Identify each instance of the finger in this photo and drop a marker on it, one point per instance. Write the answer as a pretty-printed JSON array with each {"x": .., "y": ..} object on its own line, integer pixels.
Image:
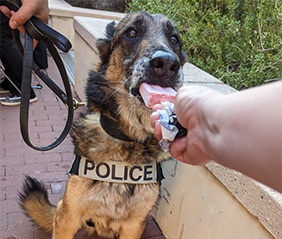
[
  {"x": 154, "y": 117},
  {"x": 158, "y": 131},
  {"x": 6, "y": 11},
  {"x": 25, "y": 12},
  {"x": 21, "y": 29},
  {"x": 157, "y": 107},
  {"x": 34, "y": 43},
  {"x": 178, "y": 149}
]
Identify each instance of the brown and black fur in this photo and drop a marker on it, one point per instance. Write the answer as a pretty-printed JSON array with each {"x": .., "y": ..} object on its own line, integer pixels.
[{"x": 134, "y": 51}]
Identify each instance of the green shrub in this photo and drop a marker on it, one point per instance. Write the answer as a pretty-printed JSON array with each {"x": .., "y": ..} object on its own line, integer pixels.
[{"x": 237, "y": 41}]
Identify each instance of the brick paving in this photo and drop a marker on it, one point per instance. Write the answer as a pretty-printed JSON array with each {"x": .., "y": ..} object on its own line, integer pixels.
[{"x": 46, "y": 120}]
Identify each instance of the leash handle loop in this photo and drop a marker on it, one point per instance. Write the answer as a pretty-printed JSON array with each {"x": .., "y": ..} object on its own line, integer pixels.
[
  {"x": 26, "y": 84},
  {"x": 38, "y": 30}
]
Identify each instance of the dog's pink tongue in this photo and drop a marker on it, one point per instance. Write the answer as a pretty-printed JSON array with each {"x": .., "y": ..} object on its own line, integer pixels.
[{"x": 154, "y": 94}]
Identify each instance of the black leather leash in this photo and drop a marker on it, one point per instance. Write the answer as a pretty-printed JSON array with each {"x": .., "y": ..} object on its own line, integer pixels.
[{"x": 36, "y": 29}]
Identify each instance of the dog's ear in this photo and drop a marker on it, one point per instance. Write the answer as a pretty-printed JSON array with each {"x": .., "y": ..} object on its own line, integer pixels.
[
  {"x": 183, "y": 58},
  {"x": 104, "y": 45},
  {"x": 110, "y": 29}
]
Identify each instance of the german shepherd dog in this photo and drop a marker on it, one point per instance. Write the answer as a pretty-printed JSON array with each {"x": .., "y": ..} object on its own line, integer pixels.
[{"x": 115, "y": 132}]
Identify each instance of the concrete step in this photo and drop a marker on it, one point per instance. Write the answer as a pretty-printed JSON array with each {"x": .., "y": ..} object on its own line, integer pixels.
[{"x": 68, "y": 60}]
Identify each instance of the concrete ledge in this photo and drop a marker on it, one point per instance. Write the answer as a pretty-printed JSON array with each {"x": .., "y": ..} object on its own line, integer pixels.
[
  {"x": 262, "y": 202},
  {"x": 197, "y": 202},
  {"x": 193, "y": 74},
  {"x": 90, "y": 29},
  {"x": 62, "y": 14},
  {"x": 61, "y": 8},
  {"x": 87, "y": 31}
]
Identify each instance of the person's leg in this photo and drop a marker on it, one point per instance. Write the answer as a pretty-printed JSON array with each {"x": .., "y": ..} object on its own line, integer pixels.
[
  {"x": 10, "y": 57},
  {"x": 3, "y": 32}
]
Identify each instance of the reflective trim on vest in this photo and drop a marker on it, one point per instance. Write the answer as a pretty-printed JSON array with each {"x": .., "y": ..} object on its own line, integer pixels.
[{"x": 117, "y": 172}]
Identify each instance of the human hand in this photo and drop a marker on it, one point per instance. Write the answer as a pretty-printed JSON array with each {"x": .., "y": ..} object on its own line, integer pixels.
[
  {"x": 193, "y": 105},
  {"x": 29, "y": 8}
]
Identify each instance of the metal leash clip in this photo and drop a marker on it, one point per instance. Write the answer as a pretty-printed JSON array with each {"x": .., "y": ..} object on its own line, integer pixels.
[{"x": 77, "y": 104}]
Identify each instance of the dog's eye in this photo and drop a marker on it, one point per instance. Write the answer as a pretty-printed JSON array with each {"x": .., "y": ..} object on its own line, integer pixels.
[
  {"x": 174, "y": 40},
  {"x": 131, "y": 33}
]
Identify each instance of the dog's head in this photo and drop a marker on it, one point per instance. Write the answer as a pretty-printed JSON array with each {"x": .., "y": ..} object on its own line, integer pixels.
[{"x": 140, "y": 48}]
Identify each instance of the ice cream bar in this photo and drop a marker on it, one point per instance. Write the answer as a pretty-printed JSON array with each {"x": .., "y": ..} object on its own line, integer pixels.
[{"x": 154, "y": 94}]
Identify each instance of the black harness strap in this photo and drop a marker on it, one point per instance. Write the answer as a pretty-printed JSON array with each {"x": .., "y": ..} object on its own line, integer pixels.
[
  {"x": 36, "y": 29},
  {"x": 112, "y": 128},
  {"x": 75, "y": 168},
  {"x": 75, "y": 165}
]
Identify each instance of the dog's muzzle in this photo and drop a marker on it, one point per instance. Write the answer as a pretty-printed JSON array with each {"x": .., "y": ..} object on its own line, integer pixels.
[
  {"x": 165, "y": 64},
  {"x": 161, "y": 69}
]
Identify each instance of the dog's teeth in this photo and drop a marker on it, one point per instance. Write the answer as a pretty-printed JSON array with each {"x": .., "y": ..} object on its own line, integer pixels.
[{"x": 154, "y": 94}]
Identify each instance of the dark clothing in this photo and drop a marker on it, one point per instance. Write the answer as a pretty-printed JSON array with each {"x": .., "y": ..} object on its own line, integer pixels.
[
  {"x": 40, "y": 55},
  {"x": 12, "y": 59}
]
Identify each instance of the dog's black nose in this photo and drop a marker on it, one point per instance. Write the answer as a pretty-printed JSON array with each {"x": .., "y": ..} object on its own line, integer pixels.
[{"x": 164, "y": 64}]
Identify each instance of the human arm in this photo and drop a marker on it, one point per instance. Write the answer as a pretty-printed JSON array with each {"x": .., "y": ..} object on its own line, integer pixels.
[
  {"x": 29, "y": 8},
  {"x": 241, "y": 131}
]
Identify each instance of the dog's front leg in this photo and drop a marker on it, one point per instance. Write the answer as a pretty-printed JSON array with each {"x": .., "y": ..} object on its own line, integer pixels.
[
  {"x": 65, "y": 225},
  {"x": 132, "y": 229}
]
